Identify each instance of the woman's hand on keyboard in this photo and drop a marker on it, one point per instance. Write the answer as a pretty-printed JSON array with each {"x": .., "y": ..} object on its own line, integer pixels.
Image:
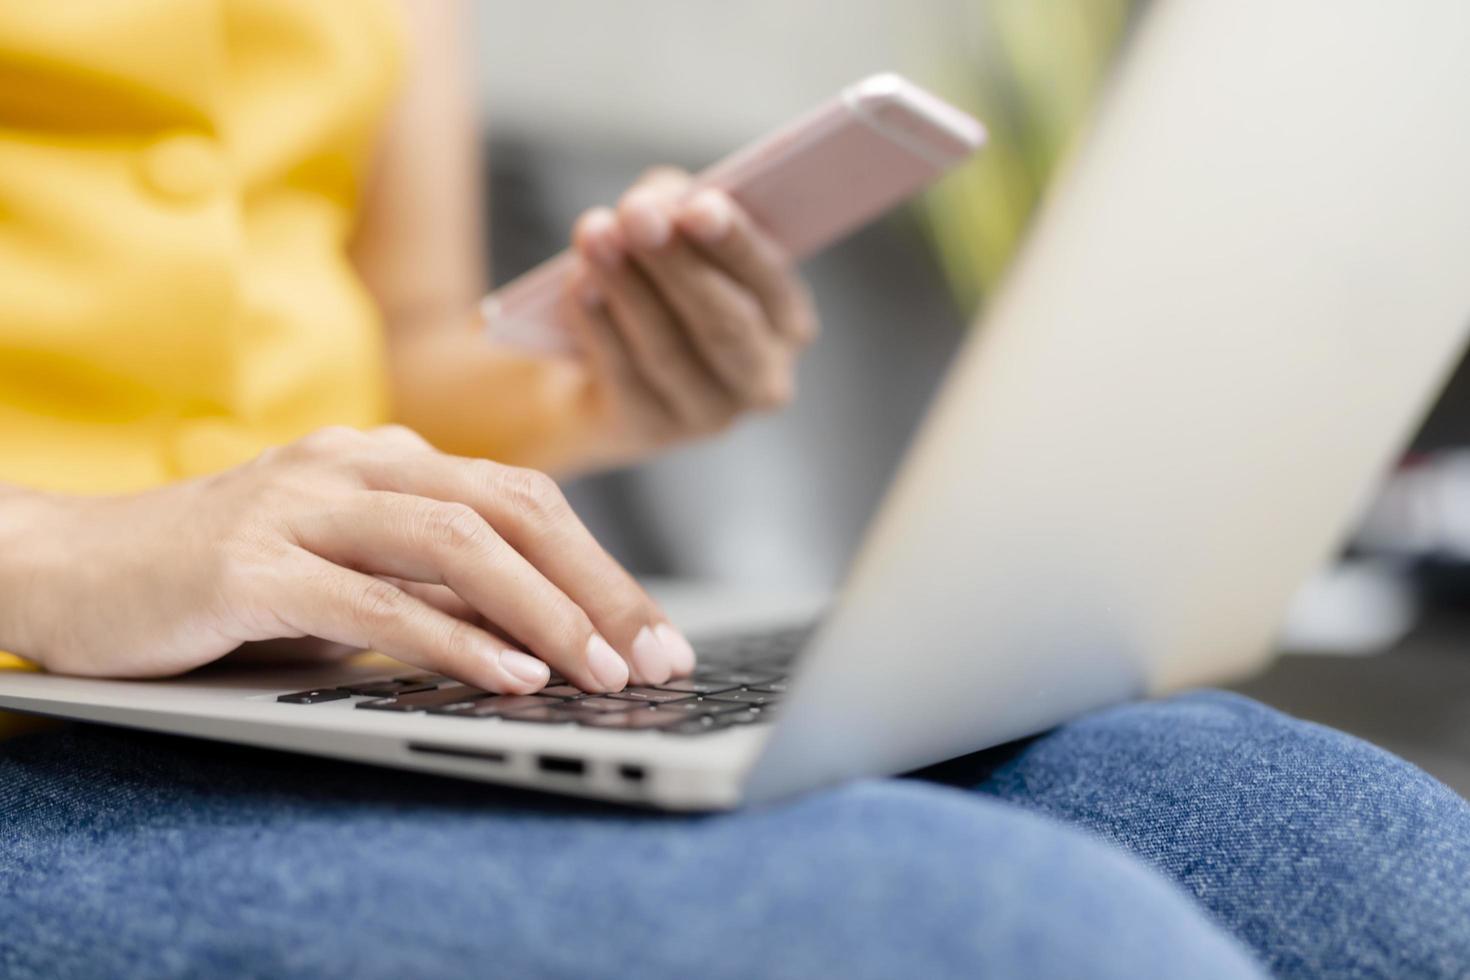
[
  {"x": 371, "y": 539},
  {"x": 690, "y": 315}
]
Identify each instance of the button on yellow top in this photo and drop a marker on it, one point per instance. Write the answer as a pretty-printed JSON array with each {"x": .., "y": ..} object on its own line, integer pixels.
[
  {"x": 184, "y": 167},
  {"x": 178, "y": 186}
]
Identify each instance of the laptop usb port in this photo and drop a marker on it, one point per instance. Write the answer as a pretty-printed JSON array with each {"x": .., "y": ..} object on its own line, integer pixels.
[{"x": 565, "y": 764}]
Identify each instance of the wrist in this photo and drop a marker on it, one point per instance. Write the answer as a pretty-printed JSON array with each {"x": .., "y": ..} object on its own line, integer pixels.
[{"x": 473, "y": 398}]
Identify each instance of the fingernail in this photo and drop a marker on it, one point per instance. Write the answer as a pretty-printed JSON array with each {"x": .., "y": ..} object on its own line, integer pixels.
[
  {"x": 645, "y": 223},
  {"x": 708, "y": 216},
  {"x": 607, "y": 667},
  {"x": 651, "y": 658},
  {"x": 524, "y": 667},
  {"x": 601, "y": 229},
  {"x": 680, "y": 650}
]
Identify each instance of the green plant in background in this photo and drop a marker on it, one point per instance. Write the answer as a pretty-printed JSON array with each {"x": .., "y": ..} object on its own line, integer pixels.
[{"x": 1031, "y": 69}]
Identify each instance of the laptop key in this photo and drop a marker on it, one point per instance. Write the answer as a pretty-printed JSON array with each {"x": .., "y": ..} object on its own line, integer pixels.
[
  {"x": 313, "y": 697},
  {"x": 690, "y": 685},
  {"x": 424, "y": 700},
  {"x": 651, "y": 695},
  {"x": 640, "y": 720},
  {"x": 773, "y": 687},
  {"x": 694, "y": 726},
  {"x": 459, "y": 707},
  {"x": 716, "y": 723},
  {"x": 744, "y": 717},
  {"x": 766, "y": 665},
  {"x": 549, "y": 713},
  {"x": 739, "y": 678},
  {"x": 748, "y": 697},
  {"x": 561, "y": 691},
  {"x": 779, "y": 645},
  {"x": 386, "y": 688},
  {"x": 494, "y": 706},
  {"x": 704, "y": 706},
  {"x": 601, "y": 704}
]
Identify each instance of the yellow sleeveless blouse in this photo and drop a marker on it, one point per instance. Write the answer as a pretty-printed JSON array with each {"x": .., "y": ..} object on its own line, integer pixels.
[{"x": 178, "y": 183}]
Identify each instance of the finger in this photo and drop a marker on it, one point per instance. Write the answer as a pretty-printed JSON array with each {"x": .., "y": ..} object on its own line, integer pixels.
[
  {"x": 597, "y": 236},
  {"x": 723, "y": 231},
  {"x": 666, "y": 180},
  {"x": 725, "y": 322},
  {"x": 446, "y": 543},
  {"x": 444, "y": 599},
  {"x": 338, "y": 604},
  {"x": 533, "y": 517},
  {"x": 441, "y": 597},
  {"x": 669, "y": 183},
  {"x": 666, "y": 361},
  {"x": 598, "y": 338}
]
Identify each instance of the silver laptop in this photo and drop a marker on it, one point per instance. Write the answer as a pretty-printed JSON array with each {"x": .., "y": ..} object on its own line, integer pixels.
[{"x": 1238, "y": 303}]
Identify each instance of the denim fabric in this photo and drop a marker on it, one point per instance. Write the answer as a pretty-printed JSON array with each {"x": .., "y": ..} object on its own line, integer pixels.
[
  {"x": 1328, "y": 856},
  {"x": 138, "y": 855}
]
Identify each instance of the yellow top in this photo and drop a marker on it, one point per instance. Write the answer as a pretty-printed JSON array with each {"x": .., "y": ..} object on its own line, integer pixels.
[{"x": 178, "y": 181}]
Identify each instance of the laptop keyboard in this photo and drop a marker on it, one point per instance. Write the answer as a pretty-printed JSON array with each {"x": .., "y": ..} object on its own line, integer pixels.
[{"x": 740, "y": 680}]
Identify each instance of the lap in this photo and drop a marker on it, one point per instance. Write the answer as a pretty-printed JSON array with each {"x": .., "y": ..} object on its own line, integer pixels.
[
  {"x": 1327, "y": 855},
  {"x": 125, "y": 853},
  {"x": 137, "y": 854}
]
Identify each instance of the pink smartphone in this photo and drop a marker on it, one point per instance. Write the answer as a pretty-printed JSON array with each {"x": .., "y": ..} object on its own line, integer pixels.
[{"x": 807, "y": 184}]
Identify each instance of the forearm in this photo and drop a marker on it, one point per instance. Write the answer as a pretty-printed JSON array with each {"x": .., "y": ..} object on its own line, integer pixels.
[
  {"x": 471, "y": 397},
  {"x": 682, "y": 326},
  {"x": 419, "y": 251}
]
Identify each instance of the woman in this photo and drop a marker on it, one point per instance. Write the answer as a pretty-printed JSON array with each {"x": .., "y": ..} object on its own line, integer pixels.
[
  {"x": 200, "y": 266},
  {"x": 181, "y": 218}
]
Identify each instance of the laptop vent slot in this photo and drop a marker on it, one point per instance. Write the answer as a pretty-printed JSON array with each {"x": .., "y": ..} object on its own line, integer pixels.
[{"x": 482, "y": 755}]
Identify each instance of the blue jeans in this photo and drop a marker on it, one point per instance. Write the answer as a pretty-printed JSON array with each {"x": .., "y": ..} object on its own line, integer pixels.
[{"x": 1204, "y": 836}]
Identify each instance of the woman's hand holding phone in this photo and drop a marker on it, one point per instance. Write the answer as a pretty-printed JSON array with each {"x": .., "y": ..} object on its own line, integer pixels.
[{"x": 687, "y": 313}]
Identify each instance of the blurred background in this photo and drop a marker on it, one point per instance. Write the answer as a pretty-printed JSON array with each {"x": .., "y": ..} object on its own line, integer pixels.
[{"x": 579, "y": 98}]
